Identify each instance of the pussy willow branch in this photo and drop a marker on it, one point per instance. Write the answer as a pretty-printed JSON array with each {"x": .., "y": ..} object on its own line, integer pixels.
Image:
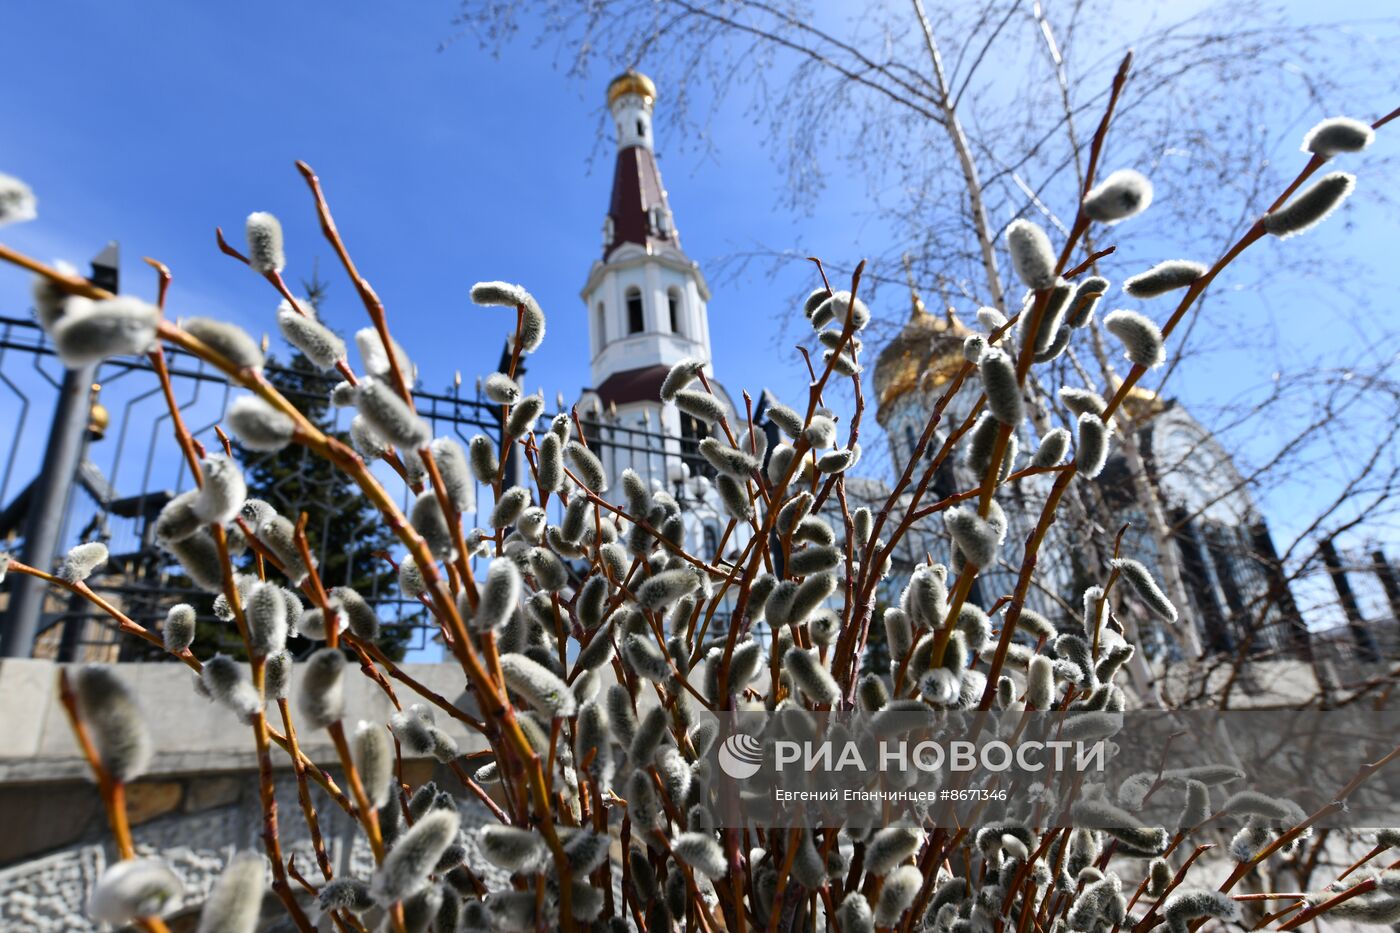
[{"x": 111, "y": 790}]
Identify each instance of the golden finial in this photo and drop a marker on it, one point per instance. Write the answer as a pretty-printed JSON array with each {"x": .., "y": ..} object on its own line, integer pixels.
[{"x": 98, "y": 416}]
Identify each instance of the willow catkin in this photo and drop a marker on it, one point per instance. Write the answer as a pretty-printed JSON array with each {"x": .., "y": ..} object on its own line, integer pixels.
[
  {"x": 1085, "y": 298},
  {"x": 1164, "y": 277},
  {"x": 456, "y": 475},
  {"x": 839, "y": 461},
  {"x": 510, "y": 506},
  {"x": 501, "y": 389},
  {"x": 81, "y": 560},
  {"x": 540, "y": 687},
  {"x": 199, "y": 557},
  {"x": 734, "y": 497},
  {"x": 512, "y": 848},
  {"x": 178, "y": 630},
  {"x": 1040, "y": 683},
  {"x": 428, "y": 520},
  {"x": 1053, "y": 447},
  {"x": 1082, "y": 401},
  {"x": 891, "y": 846},
  {"x": 898, "y": 892},
  {"x": 899, "y": 635},
  {"x": 266, "y": 613},
  {"x": 278, "y": 535},
  {"x": 1031, "y": 254},
  {"x": 508, "y": 295},
  {"x": 135, "y": 887},
  {"x": 109, "y": 709},
  {"x": 701, "y": 852},
  {"x": 113, "y": 327},
  {"x": 524, "y": 414},
  {"x": 701, "y": 406},
  {"x": 1092, "y": 450},
  {"x": 412, "y": 859},
  {"x": 345, "y": 893},
  {"x": 1000, "y": 384},
  {"x": 228, "y": 340},
  {"x": 679, "y": 377},
  {"x": 1337, "y": 135},
  {"x": 814, "y": 559},
  {"x": 234, "y": 905},
  {"x": 374, "y": 760},
  {"x": 973, "y": 347},
  {"x": 321, "y": 697},
  {"x": 811, "y": 676},
  {"x": 390, "y": 415},
  {"x": 587, "y": 466},
  {"x": 973, "y": 534},
  {"x": 548, "y": 571},
  {"x": 257, "y": 425},
  {"x": 663, "y": 589},
  {"x": 1146, "y": 587},
  {"x": 223, "y": 492},
  {"x": 1123, "y": 194},
  {"x": 481, "y": 453},
  {"x": 1141, "y": 338},
  {"x": 317, "y": 342},
  {"x": 226, "y": 682},
  {"x": 1310, "y": 208},
  {"x": 727, "y": 460},
  {"x": 264, "y": 233},
  {"x": 1193, "y": 903}
]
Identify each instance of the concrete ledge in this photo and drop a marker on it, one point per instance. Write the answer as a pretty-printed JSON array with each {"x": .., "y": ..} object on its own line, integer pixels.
[{"x": 191, "y": 734}]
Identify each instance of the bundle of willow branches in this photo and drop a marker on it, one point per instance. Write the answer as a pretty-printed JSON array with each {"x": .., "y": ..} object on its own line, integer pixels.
[{"x": 600, "y": 652}]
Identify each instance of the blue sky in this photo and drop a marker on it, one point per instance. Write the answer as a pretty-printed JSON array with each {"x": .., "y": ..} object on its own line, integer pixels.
[{"x": 443, "y": 167}]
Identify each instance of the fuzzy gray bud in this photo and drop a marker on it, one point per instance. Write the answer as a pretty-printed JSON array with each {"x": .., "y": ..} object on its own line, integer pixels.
[
  {"x": 136, "y": 887},
  {"x": 1141, "y": 338},
  {"x": 1164, "y": 277},
  {"x": 999, "y": 382},
  {"x": 973, "y": 534},
  {"x": 226, "y": 681},
  {"x": 700, "y": 405},
  {"x": 391, "y": 416},
  {"x": 79, "y": 563},
  {"x": 228, "y": 340},
  {"x": 1092, "y": 450},
  {"x": 1053, "y": 447},
  {"x": 321, "y": 698},
  {"x": 235, "y": 903},
  {"x": 178, "y": 631},
  {"x": 539, "y": 686},
  {"x": 265, "y": 253},
  {"x": 407, "y": 866},
  {"x": 374, "y": 760},
  {"x": 114, "y": 327},
  {"x": 1310, "y": 208},
  {"x": 317, "y": 342},
  {"x": 681, "y": 375},
  {"x": 109, "y": 710},
  {"x": 1337, "y": 135},
  {"x": 1123, "y": 194},
  {"x": 257, "y": 425},
  {"x": 587, "y": 466},
  {"x": 1031, "y": 254}
]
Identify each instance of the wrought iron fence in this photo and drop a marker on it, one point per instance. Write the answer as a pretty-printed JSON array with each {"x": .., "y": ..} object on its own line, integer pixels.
[{"x": 130, "y": 466}]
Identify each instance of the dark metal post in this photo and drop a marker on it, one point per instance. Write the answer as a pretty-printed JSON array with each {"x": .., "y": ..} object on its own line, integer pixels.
[
  {"x": 43, "y": 525},
  {"x": 1385, "y": 571},
  {"x": 1365, "y": 644}
]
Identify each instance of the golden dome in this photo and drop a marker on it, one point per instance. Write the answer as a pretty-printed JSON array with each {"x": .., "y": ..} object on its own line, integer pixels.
[
  {"x": 927, "y": 353},
  {"x": 631, "y": 82},
  {"x": 1140, "y": 404}
]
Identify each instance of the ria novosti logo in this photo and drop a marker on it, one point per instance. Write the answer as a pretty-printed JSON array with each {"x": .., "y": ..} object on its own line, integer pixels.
[{"x": 740, "y": 756}]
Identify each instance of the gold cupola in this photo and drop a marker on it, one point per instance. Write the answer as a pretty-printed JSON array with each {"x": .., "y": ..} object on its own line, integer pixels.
[
  {"x": 631, "y": 82},
  {"x": 927, "y": 354}
]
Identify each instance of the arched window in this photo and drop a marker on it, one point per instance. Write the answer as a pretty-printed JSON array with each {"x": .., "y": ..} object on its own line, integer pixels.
[
  {"x": 635, "y": 322},
  {"x": 642, "y": 129},
  {"x": 673, "y": 303},
  {"x": 600, "y": 325}
]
